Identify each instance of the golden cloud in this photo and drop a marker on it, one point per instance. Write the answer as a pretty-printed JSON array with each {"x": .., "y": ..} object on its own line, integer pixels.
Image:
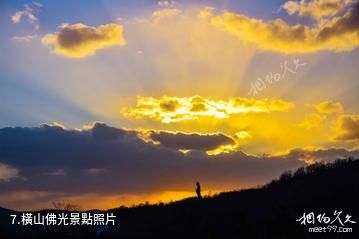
[
  {"x": 242, "y": 135},
  {"x": 316, "y": 9},
  {"x": 337, "y": 34},
  {"x": 312, "y": 121},
  {"x": 348, "y": 128},
  {"x": 80, "y": 40},
  {"x": 175, "y": 109},
  {"x": 206, "y": 12},
  {"x": 329, "y": 107}
]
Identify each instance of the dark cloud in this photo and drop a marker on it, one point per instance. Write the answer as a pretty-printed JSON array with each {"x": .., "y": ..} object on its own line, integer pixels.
[
  {"x": 197, "y": 107},
  {"x": 321, "y": 155},
  {"x": 79, "y": 40},
  {"x": 102, "y": 131},
  {"x": 348, "y": 24},
  {"x": 52, "y": 161},
  {"x": 316, "y": 9},
  {"x": 191, "y": 141},
  {"x": 348, "y": 128},
  {"x": 169, "y": 105}
]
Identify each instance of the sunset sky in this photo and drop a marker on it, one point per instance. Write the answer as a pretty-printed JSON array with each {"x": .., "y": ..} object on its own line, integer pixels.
[{"x": 108, "y": 103}]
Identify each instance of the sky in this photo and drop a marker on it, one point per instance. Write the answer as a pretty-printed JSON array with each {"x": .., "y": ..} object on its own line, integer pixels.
[{"x": 108, "y": 103}]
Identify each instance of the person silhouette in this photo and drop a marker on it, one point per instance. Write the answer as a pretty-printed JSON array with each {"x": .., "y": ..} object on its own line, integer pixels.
[{"x": 198, "y": 190}]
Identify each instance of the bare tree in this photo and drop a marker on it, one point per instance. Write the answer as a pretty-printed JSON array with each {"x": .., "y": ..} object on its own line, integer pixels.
[{"x": 67, "y": 206}]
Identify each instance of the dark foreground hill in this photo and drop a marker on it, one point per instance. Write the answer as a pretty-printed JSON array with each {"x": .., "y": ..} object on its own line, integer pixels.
[{"x": 271, "y": 211}]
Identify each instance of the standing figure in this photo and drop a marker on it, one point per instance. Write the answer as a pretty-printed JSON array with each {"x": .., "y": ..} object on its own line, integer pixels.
[{"x": 198, "y": 190}]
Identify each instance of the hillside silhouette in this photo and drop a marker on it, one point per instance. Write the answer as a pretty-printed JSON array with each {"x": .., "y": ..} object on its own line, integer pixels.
[{"x": 269, "y": 211}]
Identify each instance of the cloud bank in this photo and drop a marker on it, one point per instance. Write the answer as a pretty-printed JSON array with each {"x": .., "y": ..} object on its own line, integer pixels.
[
  {"x": 340, "y": 33},
  {"x": 56, "y": 163}
]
